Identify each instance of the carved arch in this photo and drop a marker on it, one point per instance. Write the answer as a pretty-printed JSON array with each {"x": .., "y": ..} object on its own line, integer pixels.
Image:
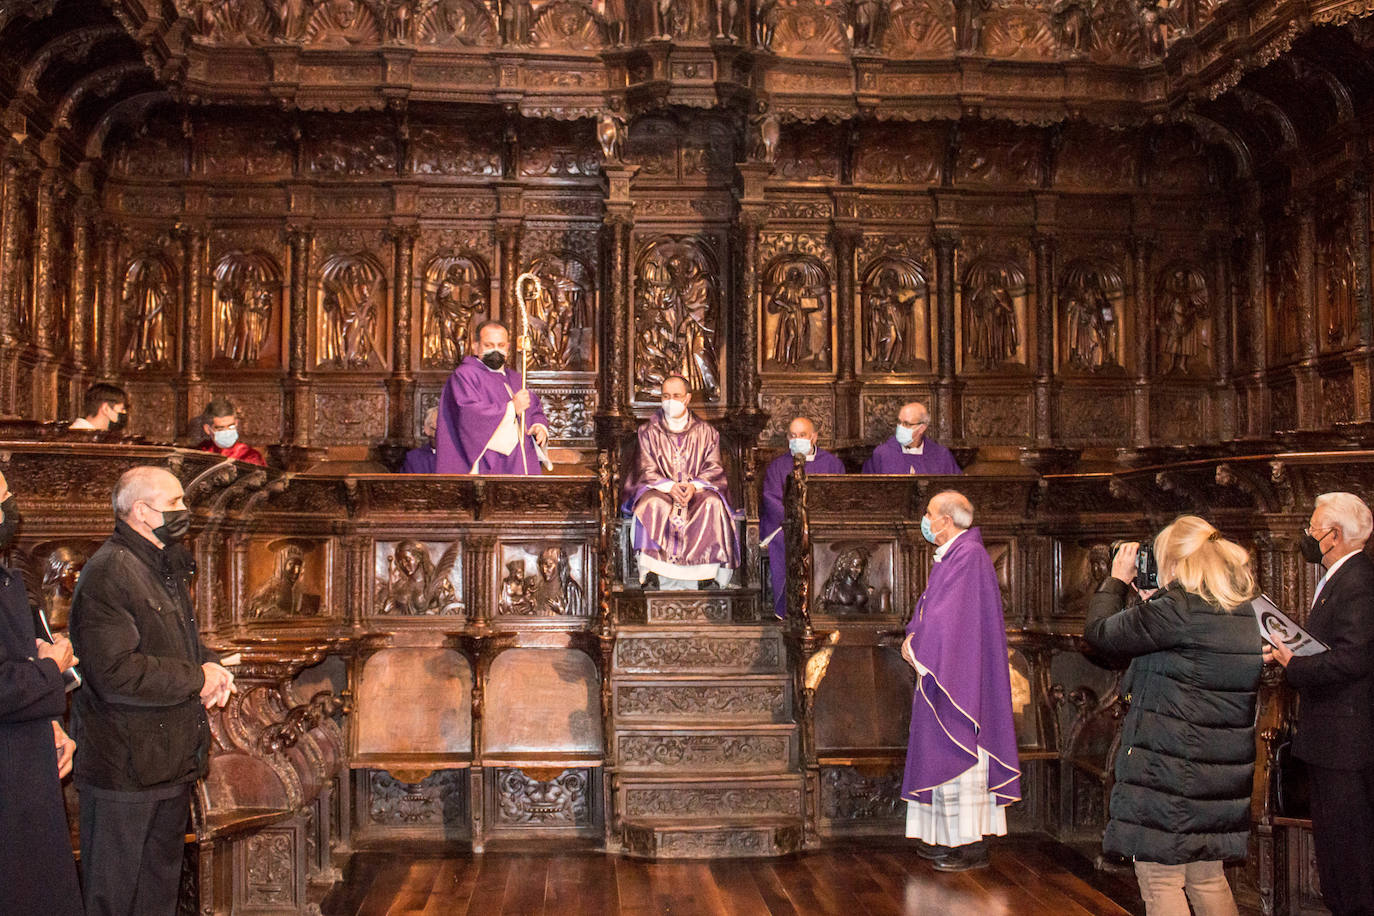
[
  {"x": 1257, "y": 104},
  {"x": 1212, "y": 132},
  {"x": 134, "y": 109},
  {"x": 102, "y": 83}
]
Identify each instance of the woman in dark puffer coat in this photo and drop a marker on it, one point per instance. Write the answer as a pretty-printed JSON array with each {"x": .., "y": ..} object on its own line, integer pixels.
[{"x": 1181, "y": 802}]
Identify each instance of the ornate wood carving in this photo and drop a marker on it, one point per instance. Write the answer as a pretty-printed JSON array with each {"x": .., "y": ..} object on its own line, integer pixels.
[
  {"x": 247, "y": 308},
  {"x": 410, "y": 582},
  {"x": 352, "y": 327},
  {"x": 1090, "y": 305},
  {"x": 994, "y": 315},
  {"x": 1183, "y": 310},
  {"x": 525, "y": 800},
  {"x": 895, "y": 311},
  {"x": 796, "y": 316},
  {"x": 149, "y": 313},
  {"x": 677, "y": 316}
]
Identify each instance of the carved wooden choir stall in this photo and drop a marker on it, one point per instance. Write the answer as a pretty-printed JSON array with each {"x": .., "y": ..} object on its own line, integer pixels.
[{"x": 1121, "y": 250}]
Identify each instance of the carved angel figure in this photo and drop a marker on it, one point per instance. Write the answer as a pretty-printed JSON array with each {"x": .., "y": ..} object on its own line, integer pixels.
[
  {"x": 283, "y": 594},
  {"x": 554, "y": 591},
  {"x": 415, "y": 584},
  {"x": 610, "y": 133}
]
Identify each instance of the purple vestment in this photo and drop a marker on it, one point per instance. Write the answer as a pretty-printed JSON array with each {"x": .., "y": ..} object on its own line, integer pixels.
[
  {"x": 703, "y": 532},
  {"x": 470, "y": 410},
  {"x": 420, "y": 460},
  {"x": 964, "y": 702},
  {"x": 770, "y": 518},
  {"x": 888, "y": 458}
]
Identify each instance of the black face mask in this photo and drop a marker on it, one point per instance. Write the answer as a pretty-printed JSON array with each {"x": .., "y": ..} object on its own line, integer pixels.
[
  {"x": 1311, "y": 548},
  {"x": 175, "y": 524},
  {"x": 493, "y": 359},
  {"x": 120, "y": 421},
  {"x": 10, "y": 522}
]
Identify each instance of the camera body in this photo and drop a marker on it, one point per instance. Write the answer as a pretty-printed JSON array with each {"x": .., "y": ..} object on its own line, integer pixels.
[{"x": 1146, "y": 567}]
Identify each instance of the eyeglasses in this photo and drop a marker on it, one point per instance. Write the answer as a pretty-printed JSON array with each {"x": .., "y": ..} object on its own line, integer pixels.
[
  {"x": 917, "y": 425},
  {"x": 1312, "y": 532}
]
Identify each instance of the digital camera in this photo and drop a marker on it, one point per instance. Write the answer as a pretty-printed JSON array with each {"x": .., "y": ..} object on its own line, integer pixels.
[{"x": 1146, "y": 569}]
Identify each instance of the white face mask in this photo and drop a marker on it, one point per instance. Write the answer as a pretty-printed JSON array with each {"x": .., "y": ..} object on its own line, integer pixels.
[
  {"x": 904, "y": 435},
  {"x": 225, "y": 438},
  {"x": 800, "y": 446},
  {"x": 672, "y": 409}
]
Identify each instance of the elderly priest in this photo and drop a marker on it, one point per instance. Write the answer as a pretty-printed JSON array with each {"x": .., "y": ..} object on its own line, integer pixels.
[
  {"x": 801, "y": 440},
  {"x": 684, "y": 531},
  {"x": 962, "y": 769},
  {"x": 489, "y": 423},
  {"x": 909, "y": 450}
]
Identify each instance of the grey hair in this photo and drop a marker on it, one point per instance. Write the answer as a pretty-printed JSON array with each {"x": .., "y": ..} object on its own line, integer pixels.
[
  {"x": 1349, "y": 513},
  {"x": 956, "y": 506},
  {"x": 140, "y": 484}
]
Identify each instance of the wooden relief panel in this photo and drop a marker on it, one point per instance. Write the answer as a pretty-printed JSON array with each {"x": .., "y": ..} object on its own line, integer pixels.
[
  {"x": 994, "y": 154},
  {"x": 287, "y": 580},
  {"x": 1091, "y": 299},
  {"x": 561, "y": 313},
  {"x": 543, "y": 580},
  {"x": 450, "y": 23},
  {"x": 247, "y": 310},
  {"x": 1097, "y": 158},
  {"x": 414, "y": 701},
  {"x": 803, "y": 30},
  {"x": 417, "y": 579},
  {"x": 1083, "y": 567},
  {"x": 571, "y": 411},
  {"x": 894, "y": 309},
  {"x": 677, "y": 317},
  {"x": 1095, "y": 414},
  {"x": 524, "y": 798},
  {"x": 346, "y": 416},
  {"x": 337, "y": 148},
  {"x": 1117, "y": 36},
  {"x": 1019, "y": 31},
  {"x": 810, "y": 152},
  {"x": 455, "y": 292},
  {"x": 784, "y": 404},
  {"x": 465, "y": 150},
  {"x": 796, "y": 320},
  {"x": 905, "y": 154},
  {"x": 559, "y": 150},
  {"x": 884, "y": 681},
  {"x": 1183, "y": 321},
  {"x": 545, "y": 700},
  {"x": 1336, "y": 306},
  {"x": 854, "y": 578},
  {"x": 654, "y": 148},
  {"x": 50, "y": 571},
  {"x": 878, "y": 411},
  {"x": 919, "y": 29},
  {"x": 150, "y": 290},
  {"x": 567, "y": 25},
  {"x": 352, "y": 329},
  {"x": 993, "y": 316},
  {"x": 243, "y": 149}
]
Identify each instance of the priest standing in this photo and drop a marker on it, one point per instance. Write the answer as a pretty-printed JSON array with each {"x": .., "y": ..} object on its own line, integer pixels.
[
  {"x": 910, "y": 450},
  {"x": 480, "y": 411},
  {"x": 962, "y": 768},
  {"x": 684, "y": 530},
  {"x": 801, "y": 440}
]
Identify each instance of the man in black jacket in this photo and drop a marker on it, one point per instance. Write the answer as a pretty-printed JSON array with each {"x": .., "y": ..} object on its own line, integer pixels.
[
  {"x": 139, "y": 720},
  {"x": 37, "y": 872},
  {"x": 1335, "y": 731}
]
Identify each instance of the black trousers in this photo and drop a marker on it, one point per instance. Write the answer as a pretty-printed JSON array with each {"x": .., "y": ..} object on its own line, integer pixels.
[
  {"x": 1343, "y": 834},
  {"x": 132, "y": 844}
]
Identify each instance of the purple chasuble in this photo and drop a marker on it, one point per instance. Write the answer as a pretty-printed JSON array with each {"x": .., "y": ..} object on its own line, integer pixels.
[
  {"x": 963, "y": 703},
  {"x": 470, "y": 409},
  {"x": 770, "y": 518},
  {"x": 888, "y": 458},
  {"x": 419, "y": 461},
  {"x": 702, "y": 532}
]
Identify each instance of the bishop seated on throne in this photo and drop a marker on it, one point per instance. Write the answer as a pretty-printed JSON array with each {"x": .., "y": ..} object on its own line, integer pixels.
[{"x": 683, "y": 527}]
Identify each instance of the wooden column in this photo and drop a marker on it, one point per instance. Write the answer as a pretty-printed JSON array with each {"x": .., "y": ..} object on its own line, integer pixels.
[
  {"x": 401, "y": 385},
  {"x": 193, "y": 391},
  {"x": 751, "y": 222},
  {"x": 297, "y": 406},
  {"x": 508, "y": 233},
  {"x": 1309, "y": 385},
  {"x": 1223, "y": 348},
  {"x": 616, "y": 359},
  {"x": 107, "y": 317},
  {"x": 83, "y": 301},
  {"x": 43, "y": 397},
  {"x": 945, "y": 241},
  {"x": 11, "y": 284},
  {"x": 1044, "y": 339},
  {"x": 846, "y": 238},
  {"x": 1358, "y": 202},
  {"x": 1143, "y": 338}
]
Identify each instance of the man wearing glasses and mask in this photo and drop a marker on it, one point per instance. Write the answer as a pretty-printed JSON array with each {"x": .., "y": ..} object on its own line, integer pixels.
[
  {"x": 1335, "y": 730},
  {"x": 481, "y": 410},
  {"x": 910, "y": 450},
  {"x": 140, "y": 718}
]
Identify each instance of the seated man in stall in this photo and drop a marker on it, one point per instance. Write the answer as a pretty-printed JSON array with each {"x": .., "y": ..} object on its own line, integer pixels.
[
  {"x": 422, "y": 459},
  {"x": 103, "y": 407},
  {"x": 488, "y": 423},
  {"x": 684, "y": 532},
  {"x": 220, "y": 423},
  {"x": 910, "y": 450},
  {"x": 801, "y": 440}
]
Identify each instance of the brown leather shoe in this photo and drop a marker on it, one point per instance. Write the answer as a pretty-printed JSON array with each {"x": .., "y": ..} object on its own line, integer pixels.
[{"x": 963, "y": 858}]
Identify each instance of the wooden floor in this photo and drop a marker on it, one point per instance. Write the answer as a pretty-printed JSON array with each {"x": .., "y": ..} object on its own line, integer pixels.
[{"x": 1028, "y": 877}]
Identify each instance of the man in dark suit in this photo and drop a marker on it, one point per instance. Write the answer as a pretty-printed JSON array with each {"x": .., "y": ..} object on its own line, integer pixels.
[
  {"x": 1335, "y": 730},
  {"x": 139, "y": 720},
  {"x": 37, "y": 872}
]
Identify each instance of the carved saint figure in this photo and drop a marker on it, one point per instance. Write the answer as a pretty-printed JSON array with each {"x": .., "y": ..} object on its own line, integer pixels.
[
  {"x": 892, "y": 291},
  {"x": 147, "y": 295},
  {"x": 727, "y": 14},
  {"x": 515, "y": 596},
  {"x": 455, "y": 294},
  {"x": 1182, "y": 304},
  {"x": 415, "y": 584},
  {"x": 247, "y": 286},
  {"x": 866, "y": 15},
  {"x": 991, "y": 335},
  {"x": 769, "y": 134},
  {"x": 560, "y": 314},
  {"x": 60, "y": 570},
  {"x": 676, "y": 315},
  {"x": 846, "y": 589},
  {"x": 352, "y": 302},
  {"x": 554, "y": 591},
  {"x": 795, "y": 290},
  {"x": 1090, "y": 325},
  {"x": 283, "y": 594}
]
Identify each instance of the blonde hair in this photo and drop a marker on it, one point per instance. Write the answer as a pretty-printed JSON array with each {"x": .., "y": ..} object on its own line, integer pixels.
[{"x": 1195, "y": 555}]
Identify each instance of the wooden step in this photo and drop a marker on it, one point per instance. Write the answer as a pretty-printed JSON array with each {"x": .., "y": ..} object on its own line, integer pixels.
[
  {"x": 687, "y": 699},
  {"x": 704, "y": 749},
  {"x": 705, "y": 650},
  {"x": 707, "y": 841},
  {"x": 722, "y": 799},
  {"x": 717, "y": 606}
]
